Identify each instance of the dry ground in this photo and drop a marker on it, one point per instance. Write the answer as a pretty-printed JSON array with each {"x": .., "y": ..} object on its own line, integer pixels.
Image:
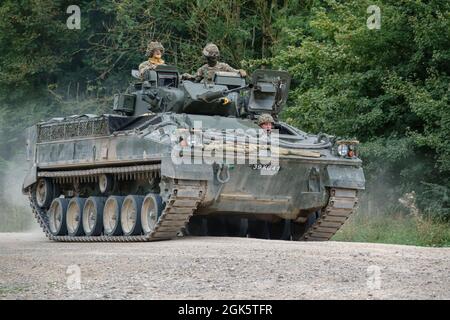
[{"x": 31, "y": 267}]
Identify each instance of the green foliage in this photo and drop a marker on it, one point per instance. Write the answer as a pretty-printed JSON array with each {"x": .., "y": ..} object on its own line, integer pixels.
[{"x": 31, "y": 42}]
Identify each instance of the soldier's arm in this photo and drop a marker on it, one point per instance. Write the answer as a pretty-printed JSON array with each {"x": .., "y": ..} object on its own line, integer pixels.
[
  {"x": 199, "y": 75},
  {"x": 228, "y": 68},
  {"x": 187, "y": 76},
  {"x": 142, "y": 67}
]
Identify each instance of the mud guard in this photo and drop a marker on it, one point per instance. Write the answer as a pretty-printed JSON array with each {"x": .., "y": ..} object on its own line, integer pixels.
[
  {"x": 185, "y": 171},
  {"x": 30, "y": 178},
  {"x": 345, "y": 177}
]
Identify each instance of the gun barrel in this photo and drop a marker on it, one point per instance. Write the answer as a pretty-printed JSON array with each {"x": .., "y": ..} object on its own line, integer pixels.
[
  {"x": 247, "y": 87},
  {"x": 210, "y": 96}
]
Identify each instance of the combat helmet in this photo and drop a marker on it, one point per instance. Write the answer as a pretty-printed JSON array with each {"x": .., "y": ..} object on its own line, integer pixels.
[
  {"x": 152, "y": 46},
  {"x": 264, "y": 118},
  {"x": 211, "y": 50}
]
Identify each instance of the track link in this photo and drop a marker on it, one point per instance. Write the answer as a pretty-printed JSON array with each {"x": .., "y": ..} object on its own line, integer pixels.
[
  {"x": 183, "y": 199},
  {"x": 341, "y": 205}
]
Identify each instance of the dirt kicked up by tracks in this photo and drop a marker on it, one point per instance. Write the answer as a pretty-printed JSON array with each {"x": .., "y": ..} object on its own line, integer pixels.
[{"x": 31, "y": 267}]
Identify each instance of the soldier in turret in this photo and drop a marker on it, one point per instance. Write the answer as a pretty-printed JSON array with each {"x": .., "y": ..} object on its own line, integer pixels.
[
  {"x": 206, "y": 72},
  {"x": 266, "y": 121},
  {"x": 155, "y": 50}
]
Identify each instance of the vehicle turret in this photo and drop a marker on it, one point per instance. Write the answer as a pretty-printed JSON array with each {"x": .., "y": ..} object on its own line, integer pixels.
[{"x": 162, "y": 91}]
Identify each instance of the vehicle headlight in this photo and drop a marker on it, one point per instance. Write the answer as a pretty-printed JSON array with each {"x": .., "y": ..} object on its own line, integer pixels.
[
  {"x": 347, "y": 148},
  {"x": 342, "y": 150}
]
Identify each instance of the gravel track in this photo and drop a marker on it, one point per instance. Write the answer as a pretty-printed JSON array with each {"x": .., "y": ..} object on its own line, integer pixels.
[{"x": 31, "y": 267}]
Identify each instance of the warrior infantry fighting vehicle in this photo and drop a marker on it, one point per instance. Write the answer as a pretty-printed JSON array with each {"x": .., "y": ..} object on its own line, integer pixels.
[{"x": 178, "y": 157}]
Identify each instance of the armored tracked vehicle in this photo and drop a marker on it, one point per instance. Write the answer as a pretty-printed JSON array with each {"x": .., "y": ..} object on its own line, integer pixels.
[{"x": 177, "y": 157}]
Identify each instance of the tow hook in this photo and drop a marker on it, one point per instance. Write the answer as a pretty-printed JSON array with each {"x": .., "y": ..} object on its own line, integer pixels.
[{"x": 224, "y": 172}]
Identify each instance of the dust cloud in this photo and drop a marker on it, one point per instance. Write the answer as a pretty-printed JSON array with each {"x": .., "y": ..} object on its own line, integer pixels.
[{"x": 15, "y": 212}]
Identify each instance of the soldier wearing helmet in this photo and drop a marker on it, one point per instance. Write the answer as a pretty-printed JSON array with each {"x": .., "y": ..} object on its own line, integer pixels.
[
  {"x": 154, "y": 52},
  {"x": 206, "y": 72},
  {"x": 265, "y": 121}
]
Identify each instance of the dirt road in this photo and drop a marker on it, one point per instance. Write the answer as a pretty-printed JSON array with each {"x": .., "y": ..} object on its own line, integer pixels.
[{"x": 32, "y": 267}]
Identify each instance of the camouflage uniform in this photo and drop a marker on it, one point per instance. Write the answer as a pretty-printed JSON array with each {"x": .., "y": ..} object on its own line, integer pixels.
[
  {"x": 211, "y": 51},
  {"x": 152, "y": 62},
  {"x": 265, "y": 118},
  {"x": 207, "y": 72}
]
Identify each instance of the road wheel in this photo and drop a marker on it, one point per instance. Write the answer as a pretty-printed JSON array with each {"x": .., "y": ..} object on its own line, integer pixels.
[
  {"x": 151, "y": 210},
  {"x": 130, "y": 215},
  {"x": 105, "y": 183},
  {"x": 280, "y": 230},
  {"x": 111, "y": 216},
  {"x": 216, "y": 226},
  {"x": 258, "y": 229},
  {"x": 236, "y": 227},
  {"x": 93, "y": 216},
  {"x": 74, "y": 216},
  {"x": 299, "y": 229},
  {"x": 197, "y": 226},
  {"x": 43, "y": 192},
  {"x": 57, "y": 216},
  {"x": 244, "y": 228}
]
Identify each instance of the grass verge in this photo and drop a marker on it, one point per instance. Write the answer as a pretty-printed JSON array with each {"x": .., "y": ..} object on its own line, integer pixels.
[{"x": 395, "y": 229}]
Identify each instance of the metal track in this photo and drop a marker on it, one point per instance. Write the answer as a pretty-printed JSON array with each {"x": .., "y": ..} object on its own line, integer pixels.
[
  {"x": 341, "y": 205},
  {"x": 184, "y": 197}
]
